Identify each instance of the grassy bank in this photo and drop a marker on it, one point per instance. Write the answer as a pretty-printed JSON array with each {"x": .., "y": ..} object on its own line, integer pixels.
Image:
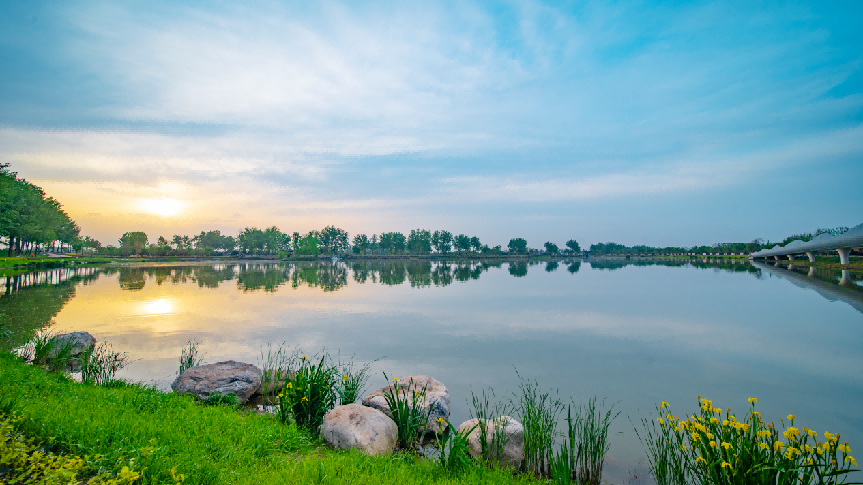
[{"x": 209, "y": 445}]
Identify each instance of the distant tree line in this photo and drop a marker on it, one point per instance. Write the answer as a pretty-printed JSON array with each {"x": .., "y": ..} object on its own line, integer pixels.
[{"x": 31, "y": 222}]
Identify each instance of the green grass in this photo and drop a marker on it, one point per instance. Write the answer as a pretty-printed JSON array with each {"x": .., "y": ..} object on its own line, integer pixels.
[{"x": 208, "y": 444}]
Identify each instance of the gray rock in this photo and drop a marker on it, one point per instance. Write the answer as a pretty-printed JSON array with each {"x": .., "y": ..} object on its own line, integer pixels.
[
  {"x": 512, "y": 434},
  {"x": 352, "y": 426},
  {"x": 237, "y": 378},
  {"x": 79, "y": 342},
  {"x": 437, "y": 399}
]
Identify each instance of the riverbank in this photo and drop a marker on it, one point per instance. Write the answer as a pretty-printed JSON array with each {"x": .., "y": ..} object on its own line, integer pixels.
[{"x": 159, "y": 432}]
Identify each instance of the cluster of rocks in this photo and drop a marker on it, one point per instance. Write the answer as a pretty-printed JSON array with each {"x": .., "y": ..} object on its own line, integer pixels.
[{"x": 368, "y": 426}]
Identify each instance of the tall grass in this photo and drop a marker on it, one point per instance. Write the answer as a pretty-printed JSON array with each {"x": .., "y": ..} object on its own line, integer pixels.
[
  {"x": 490, "y": 425},
  {"x": 45, "y": 349},
  {"x": 454, "y": 448},
  {"x": 354, "y": 379},
  {"x": 277, "y": 367},
  {"x": 538, "y": 412},
  {"x": 588, "y": 441},
  {"x": 407, "y": 403},
  {"x": 189, "y": 356},
  {"x": 100, "y": 364}
]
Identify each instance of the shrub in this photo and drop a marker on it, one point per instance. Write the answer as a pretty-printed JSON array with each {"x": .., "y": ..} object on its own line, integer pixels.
[{"x": 717, "y": 449}]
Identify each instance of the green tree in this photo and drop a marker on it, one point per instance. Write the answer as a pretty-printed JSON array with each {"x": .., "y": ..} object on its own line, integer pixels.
[
  {"x": 360, "y": 244},
  {"x": 517, "y": 245},
  {"x": 476, "y": 245},
  {"x": 551, "y": 248},
  {"x": 419, "y": 241},
  {"x": 442, "y": 241},
  {"x": 393, "y": 242},
  {"x": 133, "y": 241},
  {"x": 573, "y": 246},
  {"x": 333, "y": 240},
  {"x": 462, "y": 243}
]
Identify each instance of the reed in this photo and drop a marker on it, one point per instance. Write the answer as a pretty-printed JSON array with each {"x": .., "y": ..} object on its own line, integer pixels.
[
  {"x": 454, "y": 448},
  {"x": 277, "y": 367},
  {"x": 406, "y": 404},
  {"x": 538, "y": 412},
  {"x": 588, "y": 441},
  {"x": 309, "y": 394},
  {"x": 100, "y": 365},
  {"x": 354, "y": 379},
  {"x": 189, "y": 356},
  {"x": 492, "y": 429}
]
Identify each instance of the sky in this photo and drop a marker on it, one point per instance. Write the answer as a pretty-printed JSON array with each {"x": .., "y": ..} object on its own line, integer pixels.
[{"x": 640, "y": 122}]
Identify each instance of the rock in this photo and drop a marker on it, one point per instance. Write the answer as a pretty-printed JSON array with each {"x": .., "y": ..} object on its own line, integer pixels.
[
  {"x": 437, "y": 399},
  {"x": 79, "y": 342},
  {"x": 513, "y": 432},
  {"x": 352, "y": 426},
  {"x": 237, "y": 378}
]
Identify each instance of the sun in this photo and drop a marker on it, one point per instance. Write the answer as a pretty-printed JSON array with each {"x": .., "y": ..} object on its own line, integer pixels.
[{"x": 162, "y": 207}]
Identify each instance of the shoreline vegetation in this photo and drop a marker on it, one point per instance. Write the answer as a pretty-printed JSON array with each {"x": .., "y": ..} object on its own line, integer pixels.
[{"x": 59, "y": 430}]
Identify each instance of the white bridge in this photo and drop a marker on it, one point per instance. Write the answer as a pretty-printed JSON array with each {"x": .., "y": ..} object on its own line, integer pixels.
[{"x": 842, "y": 243}]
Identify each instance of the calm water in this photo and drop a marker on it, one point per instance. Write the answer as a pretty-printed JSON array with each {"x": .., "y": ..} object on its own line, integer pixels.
[{"x": 634, "y": 333}]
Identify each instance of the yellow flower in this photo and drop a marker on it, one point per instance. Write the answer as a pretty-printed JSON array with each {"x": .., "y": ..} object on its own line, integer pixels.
[
  {"x": 791, "y": 417},
  {"x": 713, "y": 444},
  {"x": 710, "y": 436},
  {"x": 701, "y": 459},
  {"x": 844, "y": 448},
  {"x": 664, "y": 404},
  {"x": 290, "y": 386},
  {"x": 440, "y": 420},
  {"x": 778, "y": 445},
  {"x": 851, "y": 459},
  {"x": 660, "y": 420},
  {"x": 764, "y": 446},
  {"x": 304, "y": 399},
  {"x": 726, "y": 464},
  {"x": 753, "y": 400},
  {"x": 395, "y": 379},
  {"x": 714, "y": 420},
  {"x": 726, "y": 445},
  {"x": 791, "y": 432},
  {"x": 304, "y": 358},
  {"x": 345, "y": 377},
  {"x": 683, "y": 447},
  {"x": 725, "y": 422}
]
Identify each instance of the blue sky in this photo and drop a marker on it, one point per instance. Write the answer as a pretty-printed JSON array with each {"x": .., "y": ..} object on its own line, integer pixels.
[{"x": 641, "y": 123}]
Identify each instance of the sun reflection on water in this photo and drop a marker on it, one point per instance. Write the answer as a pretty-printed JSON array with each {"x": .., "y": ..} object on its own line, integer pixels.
[{"x": 161, "y": 306}]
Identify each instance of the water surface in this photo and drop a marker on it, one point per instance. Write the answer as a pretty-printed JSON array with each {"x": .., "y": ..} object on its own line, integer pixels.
[{"x": 635, "y": 333}]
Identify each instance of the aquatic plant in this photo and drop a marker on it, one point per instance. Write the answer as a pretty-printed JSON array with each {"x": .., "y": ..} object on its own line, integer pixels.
[
  {"x": 489, "y": 423},
  {"x": 353, "y": 381},
  {"x": 45, "y": 349},
  {"x": 276, "y": 368},
  {"x": 100, "y": 364},
  {"x": 189, "y": 356},
  {"x": 309, "y": 394},
  {"x": 454, "y": 447},
  {"x": 538, "y": 412},
  {"x": 718, "y": 449},
  {"x": 588, "y": 441},
  {"x": 407, "y": 405}
]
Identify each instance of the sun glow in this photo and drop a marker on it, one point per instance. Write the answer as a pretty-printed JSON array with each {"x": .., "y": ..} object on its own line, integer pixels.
[
  {"x": 161, "y": 306},
  {"x": 162, "y": 207}
]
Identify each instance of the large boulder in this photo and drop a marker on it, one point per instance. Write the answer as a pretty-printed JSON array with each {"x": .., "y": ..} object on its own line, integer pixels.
[
  {"x": 352, "y": 426},
  {"x": 512, "y": 434},
  {"x": 78, "y": 343},
  {"x": 436, "y": 400},
  {"x": 241, "y": 380}
]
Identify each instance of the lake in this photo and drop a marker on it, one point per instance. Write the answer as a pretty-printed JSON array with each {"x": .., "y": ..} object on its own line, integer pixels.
[{"x": 633, "y": 332}]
